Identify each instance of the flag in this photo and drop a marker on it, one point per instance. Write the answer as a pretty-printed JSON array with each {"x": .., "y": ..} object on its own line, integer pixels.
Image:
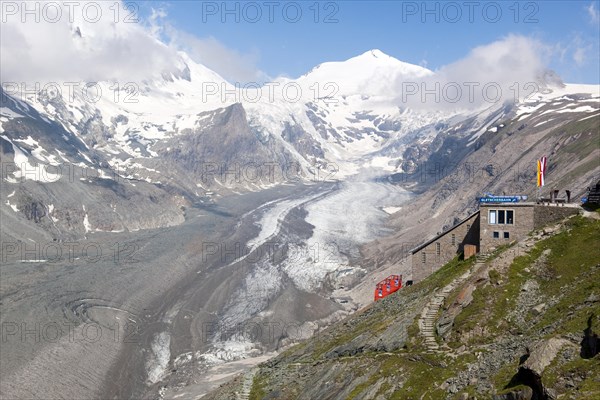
[{"x": 541, "y": 171}]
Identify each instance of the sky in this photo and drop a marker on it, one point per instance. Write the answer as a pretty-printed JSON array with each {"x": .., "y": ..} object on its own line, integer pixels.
[
  {"x": 257, "y": 41},
  {"x": 272, "y": 39}
]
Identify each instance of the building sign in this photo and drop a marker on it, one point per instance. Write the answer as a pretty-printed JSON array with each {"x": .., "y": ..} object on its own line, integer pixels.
[{"x": 489, "y": 198}]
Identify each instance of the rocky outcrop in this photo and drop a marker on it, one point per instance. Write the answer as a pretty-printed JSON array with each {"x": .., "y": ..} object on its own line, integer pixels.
[
  {"x": 542, "y": 354},
  {"x": 463, "y": 299},
  {"x": 537, "y": 359}
]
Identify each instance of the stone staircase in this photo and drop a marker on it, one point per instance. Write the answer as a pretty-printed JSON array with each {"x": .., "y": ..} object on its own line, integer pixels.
[
  {"x": 431, "y": 310},
  {"x": 244, "y": 393}
]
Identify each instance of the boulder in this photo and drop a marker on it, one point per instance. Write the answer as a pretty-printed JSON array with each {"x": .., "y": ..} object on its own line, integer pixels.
[
  {"x": 542, "y": 354},
  {"x": 539, "y": 309}
]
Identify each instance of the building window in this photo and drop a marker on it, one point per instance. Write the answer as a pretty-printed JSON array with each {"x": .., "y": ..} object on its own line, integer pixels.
[
  {"x": 492, "y": 217},
  {"x": 506, "y": 235},
  {"x": 496, "y": 235},
  {"x": 453, "y": 239},
  {"x": 501, "y": 217},
  {"x": 509, "y": 217},
  {"x": 438, "y": 248},
  {"x": 423, "y": 258}
]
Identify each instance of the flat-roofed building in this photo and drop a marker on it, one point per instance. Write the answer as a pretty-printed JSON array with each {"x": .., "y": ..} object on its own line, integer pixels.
[
  {"x": 504, "y": 223},
  {"x": 493, "y": 225}
]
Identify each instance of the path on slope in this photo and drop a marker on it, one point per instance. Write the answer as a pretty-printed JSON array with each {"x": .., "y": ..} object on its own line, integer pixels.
[{"x": 430, "y": 311}]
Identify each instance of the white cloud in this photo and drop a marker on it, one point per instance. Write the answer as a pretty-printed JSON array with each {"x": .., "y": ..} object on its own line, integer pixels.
[
  {"x": 580, "y": 56},
  {"x": 231, "y": 64},
  {"x": 105, "y": 50},
  {"x": 576, "y": 49},
  {"x": 496, "y": 72},
  {"x": 109, "y": 48},
  {"x": 593, "y": 13}
]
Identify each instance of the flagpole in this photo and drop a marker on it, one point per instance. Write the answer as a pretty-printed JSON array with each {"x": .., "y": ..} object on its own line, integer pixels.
[
  {"x": 539, "y": 191},
  {"x": 541, "y": 172}
]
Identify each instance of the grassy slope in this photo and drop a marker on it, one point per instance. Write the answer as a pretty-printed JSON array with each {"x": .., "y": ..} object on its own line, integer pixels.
[{"x": 567, "y": 277}]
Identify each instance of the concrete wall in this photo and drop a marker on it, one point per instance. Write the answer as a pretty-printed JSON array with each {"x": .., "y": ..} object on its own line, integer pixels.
[{"x": 430, "y": 258}]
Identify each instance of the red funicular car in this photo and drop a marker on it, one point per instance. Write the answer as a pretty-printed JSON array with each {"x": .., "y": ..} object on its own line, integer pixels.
[{"x": 388, "y": 286}]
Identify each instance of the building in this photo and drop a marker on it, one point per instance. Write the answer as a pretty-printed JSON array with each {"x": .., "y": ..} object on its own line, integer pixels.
[
  {"x": 493, "y": 225},
  {"x": 430, "y": 256},
  {"x": 504, "y": 223}
]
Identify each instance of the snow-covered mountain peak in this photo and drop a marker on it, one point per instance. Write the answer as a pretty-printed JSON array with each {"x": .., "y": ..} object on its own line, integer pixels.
[
  {"x": 198, "y": 72},
  {"x": 377, "y": 53},
  {"x": 366, "y": 74}
]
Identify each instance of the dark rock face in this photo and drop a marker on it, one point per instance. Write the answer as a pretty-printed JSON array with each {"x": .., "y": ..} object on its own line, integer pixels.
[
  {"x": 324, "y": 129},
  {"x": 34, "y": 211},
  {"x": 590, "y": 344},
  {"x": 228, "y": 152},
  {"x": 302, "y": 141}
]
